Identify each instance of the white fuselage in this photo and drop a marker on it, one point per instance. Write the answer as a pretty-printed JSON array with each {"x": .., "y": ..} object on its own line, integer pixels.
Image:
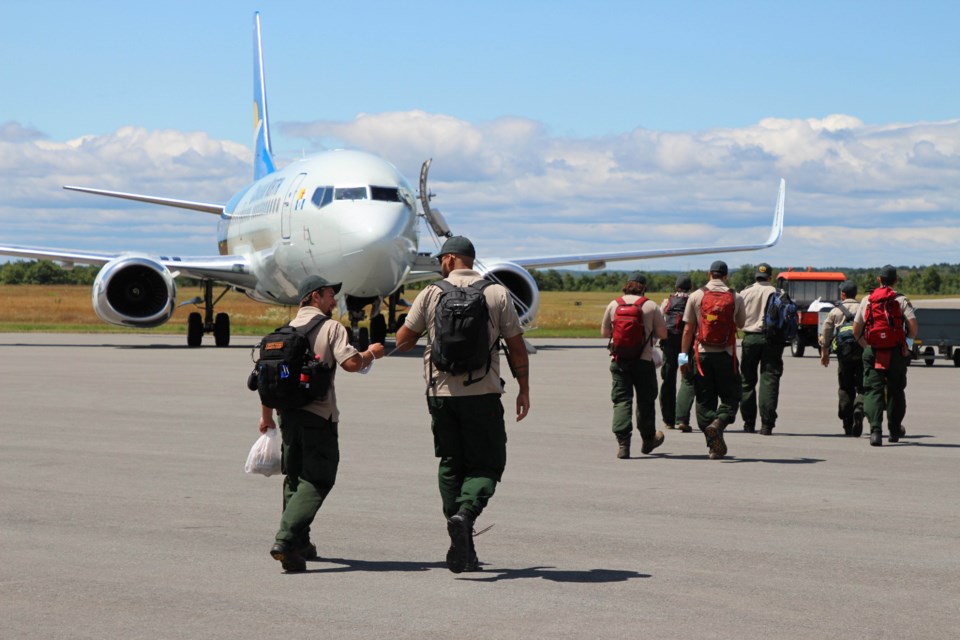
[{"x": 348, "y": 216}]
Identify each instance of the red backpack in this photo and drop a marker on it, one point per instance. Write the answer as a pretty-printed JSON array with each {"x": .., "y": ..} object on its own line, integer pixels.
[
  {"x": 629, "y": 338},
  {"x": 883, "y": 320},
  {"x": 716, "y": 327}
]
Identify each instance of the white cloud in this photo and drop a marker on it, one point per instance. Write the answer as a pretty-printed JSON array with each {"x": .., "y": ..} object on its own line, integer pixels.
[{"x": 858, "y": 194}]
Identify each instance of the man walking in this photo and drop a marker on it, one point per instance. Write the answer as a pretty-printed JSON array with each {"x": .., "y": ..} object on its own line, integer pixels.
[
  {"x": 469, "y": 434},
  {"x": 713, "y": 315},
  {"x": 632, "y": 322},
  {"x": 310, "y": 452},
  {"x": 760, "y": 349},
  {"x": 838, "y": 338},
  {"x": 675, "y": 405},
  {"x": 885, "y": 327}
]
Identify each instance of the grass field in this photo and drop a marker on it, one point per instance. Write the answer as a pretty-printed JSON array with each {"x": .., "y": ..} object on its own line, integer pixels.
[{"x": 68, "y": 308}]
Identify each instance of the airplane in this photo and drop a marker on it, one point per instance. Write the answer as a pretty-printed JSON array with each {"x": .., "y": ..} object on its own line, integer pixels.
[{"x": 346, "y": 215}]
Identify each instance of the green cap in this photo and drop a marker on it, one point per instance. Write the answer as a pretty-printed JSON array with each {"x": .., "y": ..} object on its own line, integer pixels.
[
  {"x": 457, "y": 245},
  {"x": 312, "y": 283}
]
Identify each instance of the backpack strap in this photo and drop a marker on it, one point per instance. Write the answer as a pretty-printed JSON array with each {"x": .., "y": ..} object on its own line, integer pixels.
[
  {"x": 306, "y": 329},
  {"x": 846, "y": 312},
  {"x": 481, "y": 285}
]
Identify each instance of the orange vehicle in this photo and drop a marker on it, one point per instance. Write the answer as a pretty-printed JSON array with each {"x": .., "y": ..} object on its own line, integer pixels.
[{"x": 805, "y": 287}]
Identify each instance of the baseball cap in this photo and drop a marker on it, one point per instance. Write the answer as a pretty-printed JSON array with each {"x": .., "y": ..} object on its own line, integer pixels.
[
  {"x": 764, "y": 271},
  {"x": 848, "y": 288},
  {"x": 888, "y": 272},
  {"x": 458, "y": 245},
  {"x": 636, "y": 276},
  {"x": 312, "y": 283},
  {"x": 683, "y": 282},
  {"x": 719, "y": 266}
]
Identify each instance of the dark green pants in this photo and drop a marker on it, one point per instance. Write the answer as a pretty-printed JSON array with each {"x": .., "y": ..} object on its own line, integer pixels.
[
  {"x": 850, "y": 392},
  {"x": 638, "y": 376},
  {"x": 311, "y": 455},
  {"x": 470, "y": 439},
  {"x": 675, "y": 405},
  {"x": 760, "y": 355},
  {"x": 885, "y": 390},
  {"x": 717, "y": 388}
]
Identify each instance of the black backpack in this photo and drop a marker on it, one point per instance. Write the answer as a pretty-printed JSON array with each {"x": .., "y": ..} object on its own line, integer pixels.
[
  {"x": 673, "y": 317},
  {"x": 461, "y": 341},
  {"x": 844, "y": 344},
  {"x": 288, "y": 374}
]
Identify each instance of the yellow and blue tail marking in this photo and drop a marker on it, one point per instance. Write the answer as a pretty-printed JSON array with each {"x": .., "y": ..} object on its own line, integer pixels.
[{"x": 262, "y": 151}]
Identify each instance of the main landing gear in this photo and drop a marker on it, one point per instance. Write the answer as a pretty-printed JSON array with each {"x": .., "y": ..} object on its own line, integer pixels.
[{"x": 218, "y": 325}]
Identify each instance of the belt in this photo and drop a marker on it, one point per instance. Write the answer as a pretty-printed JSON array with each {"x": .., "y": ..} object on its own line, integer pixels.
[{"x": 752, "y": 333}]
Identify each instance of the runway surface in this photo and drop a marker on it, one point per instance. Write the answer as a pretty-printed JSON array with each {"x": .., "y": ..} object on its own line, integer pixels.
[{"x": 125, "y": 512}]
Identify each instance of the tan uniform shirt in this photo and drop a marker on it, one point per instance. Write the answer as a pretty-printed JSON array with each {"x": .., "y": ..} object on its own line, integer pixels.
[
  {"x": 652, "y": 319},
  {"x": 691, "y": 315},
  {"x": 504, "y": 322},
  {"x": 836, "y": 318},
  {"x": 755, "y": 298},
  {"x": 332, "y": 344}
]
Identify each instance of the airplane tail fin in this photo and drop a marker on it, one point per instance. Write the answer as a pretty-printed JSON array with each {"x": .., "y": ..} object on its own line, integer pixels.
[{"x": 262, "y": 151}]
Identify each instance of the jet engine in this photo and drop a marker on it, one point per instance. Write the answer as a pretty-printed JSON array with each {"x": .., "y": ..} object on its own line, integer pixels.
[
  {"x": 520, "y": 284},
  {"x": 134, "y": 291}
]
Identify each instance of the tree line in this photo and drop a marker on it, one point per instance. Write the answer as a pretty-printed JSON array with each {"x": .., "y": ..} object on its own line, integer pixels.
[{"x": 939, "y": 279}]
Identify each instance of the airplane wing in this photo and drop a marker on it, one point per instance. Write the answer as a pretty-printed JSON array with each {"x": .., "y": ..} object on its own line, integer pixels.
[
  {"x": 231, "y": 270},
  {"x": 206, "y": 207},
  {"x": 599, "y": 260}
]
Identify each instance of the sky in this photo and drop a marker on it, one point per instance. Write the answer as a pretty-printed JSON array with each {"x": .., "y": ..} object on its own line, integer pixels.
[{"x": 554, "y": 128}]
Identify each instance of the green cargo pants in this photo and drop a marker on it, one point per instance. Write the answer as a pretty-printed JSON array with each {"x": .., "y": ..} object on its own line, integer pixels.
[
  {"x": 717, "y": 388},
  {"x": 885, "y": 390},
  {"x": 675, "y": 404},
  {"x": 310, "y": 458},
  {"x": 639, "y": 376},
  {"x": 470, "y": 439},
  {"x": 758, "y": 353}
]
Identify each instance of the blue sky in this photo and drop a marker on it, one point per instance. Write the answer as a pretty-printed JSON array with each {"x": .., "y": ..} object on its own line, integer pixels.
[{"x": 554, "y": 127}]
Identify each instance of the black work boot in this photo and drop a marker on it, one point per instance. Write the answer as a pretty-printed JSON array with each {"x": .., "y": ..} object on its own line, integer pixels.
[
  {"x": 848, "y": 427},
  {"x": 749, "y": 427},
  {"x": 460, "y": 528},
  {"x": 857, "y": 430},
  {"x": 766, "y": 429},
  {"x": 876, "y": 438},
  {"x": 623, "y": 439},
  {"x": 289, "y": 558},
  {"x": 894, "y": 434}
]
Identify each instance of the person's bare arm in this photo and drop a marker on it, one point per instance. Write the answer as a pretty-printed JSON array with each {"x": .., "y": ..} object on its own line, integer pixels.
[
  {"x": 520, "y": 366},
  {"x": 406, "y": 338},
  {"x": 359, "y": 361}
]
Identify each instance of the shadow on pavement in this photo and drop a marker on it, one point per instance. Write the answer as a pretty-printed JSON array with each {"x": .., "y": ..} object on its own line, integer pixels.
[{"x": 591, "y": 576}]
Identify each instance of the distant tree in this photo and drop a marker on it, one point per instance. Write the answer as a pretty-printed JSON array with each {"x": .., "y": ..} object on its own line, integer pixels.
[{"x": 931, "y": 280}]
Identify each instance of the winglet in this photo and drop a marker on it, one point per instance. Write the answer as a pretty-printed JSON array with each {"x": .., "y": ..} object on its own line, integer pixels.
[
  {"x": 777, "y": 230},
  {"x": 262, "y": 151}
]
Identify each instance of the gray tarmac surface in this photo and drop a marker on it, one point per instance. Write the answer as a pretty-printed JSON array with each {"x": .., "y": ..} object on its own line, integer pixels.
[{"x": 125, "y": 512}]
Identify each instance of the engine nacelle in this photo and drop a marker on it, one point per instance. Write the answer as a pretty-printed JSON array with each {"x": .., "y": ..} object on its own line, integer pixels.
[
  {"x": 522, "y": 287},
  {"x": 134, "y": 291}
]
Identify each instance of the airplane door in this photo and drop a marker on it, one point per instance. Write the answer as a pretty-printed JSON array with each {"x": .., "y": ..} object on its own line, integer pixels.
[{"x": 293, "y": 200}]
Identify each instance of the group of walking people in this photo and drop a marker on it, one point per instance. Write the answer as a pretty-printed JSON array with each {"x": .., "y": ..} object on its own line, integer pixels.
[{"x": 697, "y": 335}]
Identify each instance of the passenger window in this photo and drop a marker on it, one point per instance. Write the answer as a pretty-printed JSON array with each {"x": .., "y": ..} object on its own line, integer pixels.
[{"x": 350, "y": 193}]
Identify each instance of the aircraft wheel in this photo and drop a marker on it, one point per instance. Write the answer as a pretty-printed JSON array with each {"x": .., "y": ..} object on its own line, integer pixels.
[
  {"x": 378, "y": 329},
  {"x": 221, "y": 330},
  {"x": 364, "y": 340},
  {"x": 194, "y": 329},
  {"x": 929, "y": 356},
  {"x": 956, "y": 358},
  {"x": 797, "y": 347}
]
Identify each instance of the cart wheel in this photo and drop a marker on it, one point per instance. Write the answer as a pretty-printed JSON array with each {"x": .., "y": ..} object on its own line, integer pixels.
[
  {"x": 956, "y": 358},
  {"x": 928, "y": 356},
  {"x": 797, "y": 347}
]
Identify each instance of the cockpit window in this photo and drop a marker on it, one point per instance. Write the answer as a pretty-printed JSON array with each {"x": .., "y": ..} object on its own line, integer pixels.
[
  {"x": 386, "y": 194},
  {"x": 322, "y": 196},
  {"x": 350, "y": 193}
]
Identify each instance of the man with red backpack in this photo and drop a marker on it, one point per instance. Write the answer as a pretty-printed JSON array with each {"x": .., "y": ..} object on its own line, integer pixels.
[
  {"x": 713, "y": 315},
  {"x": 632, "y": 322},
  {"x": 675, "y": 405},
  {"x": 885, "y": 326}
]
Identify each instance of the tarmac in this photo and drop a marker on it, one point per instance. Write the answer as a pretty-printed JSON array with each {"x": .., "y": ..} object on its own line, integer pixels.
[{"x": 125, "y": 511}]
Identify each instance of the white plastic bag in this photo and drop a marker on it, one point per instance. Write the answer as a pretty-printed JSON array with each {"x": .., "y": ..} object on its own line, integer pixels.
[{"x": 264, "y": 457}]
